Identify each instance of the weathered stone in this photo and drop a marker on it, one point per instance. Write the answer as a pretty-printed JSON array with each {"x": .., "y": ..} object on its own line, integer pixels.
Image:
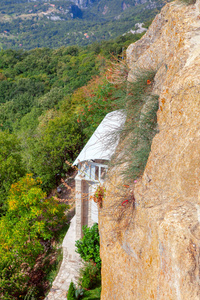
[{"x": 154, "y": 251}]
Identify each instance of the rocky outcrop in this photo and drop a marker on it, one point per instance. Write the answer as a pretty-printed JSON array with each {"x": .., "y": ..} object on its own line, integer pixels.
[{"x": 153, "y": 250}]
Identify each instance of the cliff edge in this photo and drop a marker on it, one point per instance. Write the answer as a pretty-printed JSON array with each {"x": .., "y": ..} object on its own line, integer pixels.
[{"x": 154, "y": 251}]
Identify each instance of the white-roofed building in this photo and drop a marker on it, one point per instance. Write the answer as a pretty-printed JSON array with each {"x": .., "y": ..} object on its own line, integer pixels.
[{"x": 92, "y": 163}]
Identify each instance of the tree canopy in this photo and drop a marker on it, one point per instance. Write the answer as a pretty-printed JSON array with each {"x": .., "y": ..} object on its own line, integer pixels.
[
  {"x": 11, "y": 166},
  {"x": 31, "y": 219}
]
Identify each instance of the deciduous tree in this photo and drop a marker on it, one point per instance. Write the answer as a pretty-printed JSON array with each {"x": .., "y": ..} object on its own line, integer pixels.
[{"x": 31, "y": 219}]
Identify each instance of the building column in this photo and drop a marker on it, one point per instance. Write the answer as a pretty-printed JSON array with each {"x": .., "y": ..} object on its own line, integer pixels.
[
  {"x": 78, "y": 187},
  {"x": 91, "y": 189},
  {"x": 93, "y": 208}
]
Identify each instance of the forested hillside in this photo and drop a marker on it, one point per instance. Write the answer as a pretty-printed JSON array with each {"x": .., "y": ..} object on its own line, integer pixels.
[
  {"x": 51, "y": 101},
  {"x": 29, "y": 24}
]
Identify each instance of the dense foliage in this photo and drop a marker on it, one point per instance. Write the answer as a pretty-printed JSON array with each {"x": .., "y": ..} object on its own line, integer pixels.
[
  {"x": 90, "y": 276},
  {"x": 88, "y": 247},
  {"x": 30, "y": 221},
  {"x": 11, "y": 168}
]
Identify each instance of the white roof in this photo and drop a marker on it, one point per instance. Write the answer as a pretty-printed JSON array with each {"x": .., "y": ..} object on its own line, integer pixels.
[{"x": 104, "y": 140}]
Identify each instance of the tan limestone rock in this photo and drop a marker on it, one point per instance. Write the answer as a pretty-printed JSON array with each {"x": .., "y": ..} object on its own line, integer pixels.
[{"x": 152, "y": 250}]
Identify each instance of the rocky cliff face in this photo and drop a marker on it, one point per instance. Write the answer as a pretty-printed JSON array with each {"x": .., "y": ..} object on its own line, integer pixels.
[{"x": 154, "y": 252}]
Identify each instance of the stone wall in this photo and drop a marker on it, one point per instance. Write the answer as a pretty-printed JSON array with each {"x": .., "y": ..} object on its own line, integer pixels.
[
  {"x": 78, "y": 208},
  {"x": 154, "y": 252}
]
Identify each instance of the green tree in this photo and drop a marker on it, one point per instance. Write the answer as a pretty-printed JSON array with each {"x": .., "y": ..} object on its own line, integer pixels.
[
  {"x": 55, "y": 141},
  {"x": 99, "y": 96},
  {"x": 31, "y": 219},
  {"x": 51, "y": 99},
  {"x": 11, "y": 167}
]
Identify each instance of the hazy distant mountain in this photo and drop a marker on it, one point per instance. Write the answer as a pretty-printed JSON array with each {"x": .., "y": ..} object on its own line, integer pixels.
[{"x": 36, "y": 23}]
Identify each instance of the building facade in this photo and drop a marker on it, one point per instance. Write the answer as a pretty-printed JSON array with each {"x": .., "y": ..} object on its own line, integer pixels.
[{"x": 92, "y": 164}]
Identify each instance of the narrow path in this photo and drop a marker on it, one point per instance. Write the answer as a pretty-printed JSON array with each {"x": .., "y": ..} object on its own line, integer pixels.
[{"x": 69, "y": 269}]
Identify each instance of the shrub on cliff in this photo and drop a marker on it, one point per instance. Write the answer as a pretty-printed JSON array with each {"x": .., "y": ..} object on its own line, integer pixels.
[
  {"x": 88, "y": 247},
  {"x": 90, "y": 276},
  {"x": 140, "y": 106}
]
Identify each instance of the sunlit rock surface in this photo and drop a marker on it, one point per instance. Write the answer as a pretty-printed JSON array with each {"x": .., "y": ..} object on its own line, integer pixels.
[{"x": 154, "y": 252}]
